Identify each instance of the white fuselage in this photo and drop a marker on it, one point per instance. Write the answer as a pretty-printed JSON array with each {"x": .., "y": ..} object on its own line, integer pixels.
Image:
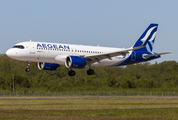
[{"x": 57, "y": 53}]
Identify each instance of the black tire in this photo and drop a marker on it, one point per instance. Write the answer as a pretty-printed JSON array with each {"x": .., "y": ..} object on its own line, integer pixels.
[
  {"x": 90, "y": 72},
  {"x": 27, "y": 69},
  {"x": 71, "y": 73}
]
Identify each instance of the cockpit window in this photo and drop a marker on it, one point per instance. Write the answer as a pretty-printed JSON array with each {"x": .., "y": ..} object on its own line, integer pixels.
[{"x": 19, "y": 46}]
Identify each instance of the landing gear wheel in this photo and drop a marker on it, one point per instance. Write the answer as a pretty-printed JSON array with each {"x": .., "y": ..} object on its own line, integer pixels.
[
  {"x": 27, "y": 69},
  {"x": 90, "y": 72},
  {"x": 71, "y": 73},
  {"x": 28, "y": 65}
]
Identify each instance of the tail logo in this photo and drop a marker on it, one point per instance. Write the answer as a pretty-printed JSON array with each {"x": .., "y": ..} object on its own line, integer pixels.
[{"x": 150, "y": 35}]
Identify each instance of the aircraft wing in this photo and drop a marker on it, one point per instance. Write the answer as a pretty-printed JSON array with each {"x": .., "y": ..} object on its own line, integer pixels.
[
  {"x": 96, "y": 58},
  {"x": 147, "y": 56}
]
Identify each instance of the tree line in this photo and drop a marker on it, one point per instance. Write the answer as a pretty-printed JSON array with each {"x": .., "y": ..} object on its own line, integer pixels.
[{"x": 146, "y": 76}]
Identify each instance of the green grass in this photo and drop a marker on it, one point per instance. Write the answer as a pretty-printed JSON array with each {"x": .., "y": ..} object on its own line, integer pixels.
[{"x": 89, "y": 109}]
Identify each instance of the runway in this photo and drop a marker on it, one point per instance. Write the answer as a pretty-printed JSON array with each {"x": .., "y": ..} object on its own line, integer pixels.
[{"x": 97, "y": 97}]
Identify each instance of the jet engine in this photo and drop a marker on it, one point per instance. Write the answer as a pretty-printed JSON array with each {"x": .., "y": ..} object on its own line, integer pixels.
[
  {"x": 75, "y": 62},
  {"x": 47, "y": 66}
]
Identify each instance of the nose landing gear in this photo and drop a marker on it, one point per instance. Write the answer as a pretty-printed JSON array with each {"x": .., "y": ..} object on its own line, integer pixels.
[{"x": 28, "y": 65}]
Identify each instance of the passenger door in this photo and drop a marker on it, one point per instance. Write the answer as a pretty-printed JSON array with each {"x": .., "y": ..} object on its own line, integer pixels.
[{"x": 32, "y": 49}]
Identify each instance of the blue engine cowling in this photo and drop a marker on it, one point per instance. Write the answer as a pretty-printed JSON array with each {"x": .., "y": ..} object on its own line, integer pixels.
[
  {"x": 47, "y": 66},
  {"x": 75, "y": 62}
]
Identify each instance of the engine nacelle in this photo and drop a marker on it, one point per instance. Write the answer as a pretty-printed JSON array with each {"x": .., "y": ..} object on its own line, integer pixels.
[
  {"x": 47, "y": 66},
  {"x": 75, "y": 62}
]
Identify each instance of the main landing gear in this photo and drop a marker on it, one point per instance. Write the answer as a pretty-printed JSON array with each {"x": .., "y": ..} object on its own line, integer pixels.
[
  {"x": 90, "y": 72},
  {"x": 28, "y": 65},
  {"x": 71, "y": 73}
]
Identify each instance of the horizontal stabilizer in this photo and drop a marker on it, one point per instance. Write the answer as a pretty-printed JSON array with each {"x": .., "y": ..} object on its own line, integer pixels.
[{"x": 147, "y": 56}]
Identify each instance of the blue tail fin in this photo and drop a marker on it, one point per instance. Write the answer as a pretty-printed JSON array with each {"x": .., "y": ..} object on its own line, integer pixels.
[{"x": 149, "y": 34}]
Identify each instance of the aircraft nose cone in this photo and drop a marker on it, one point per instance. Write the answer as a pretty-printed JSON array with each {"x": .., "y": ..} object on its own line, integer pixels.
[
  {"x": 8, "y": 52},
  {"x": 12, "y": 53}
]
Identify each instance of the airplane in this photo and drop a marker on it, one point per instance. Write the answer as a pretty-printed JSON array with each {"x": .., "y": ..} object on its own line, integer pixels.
[{"x": 51, "y": 55}]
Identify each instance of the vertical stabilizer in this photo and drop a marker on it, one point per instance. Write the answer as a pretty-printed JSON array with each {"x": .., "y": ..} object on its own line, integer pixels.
[{"x": 149, "y": 34}]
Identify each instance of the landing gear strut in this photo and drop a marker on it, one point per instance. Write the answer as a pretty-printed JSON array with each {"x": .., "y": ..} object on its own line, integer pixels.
[
  {"x": 28, "y": 65},
  {"x": 90, "y": 71},
  {"x": 71, "y": 73}
]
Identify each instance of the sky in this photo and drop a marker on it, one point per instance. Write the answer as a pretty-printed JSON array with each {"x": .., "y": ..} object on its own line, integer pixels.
[{"x": 109, "y": 23}]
